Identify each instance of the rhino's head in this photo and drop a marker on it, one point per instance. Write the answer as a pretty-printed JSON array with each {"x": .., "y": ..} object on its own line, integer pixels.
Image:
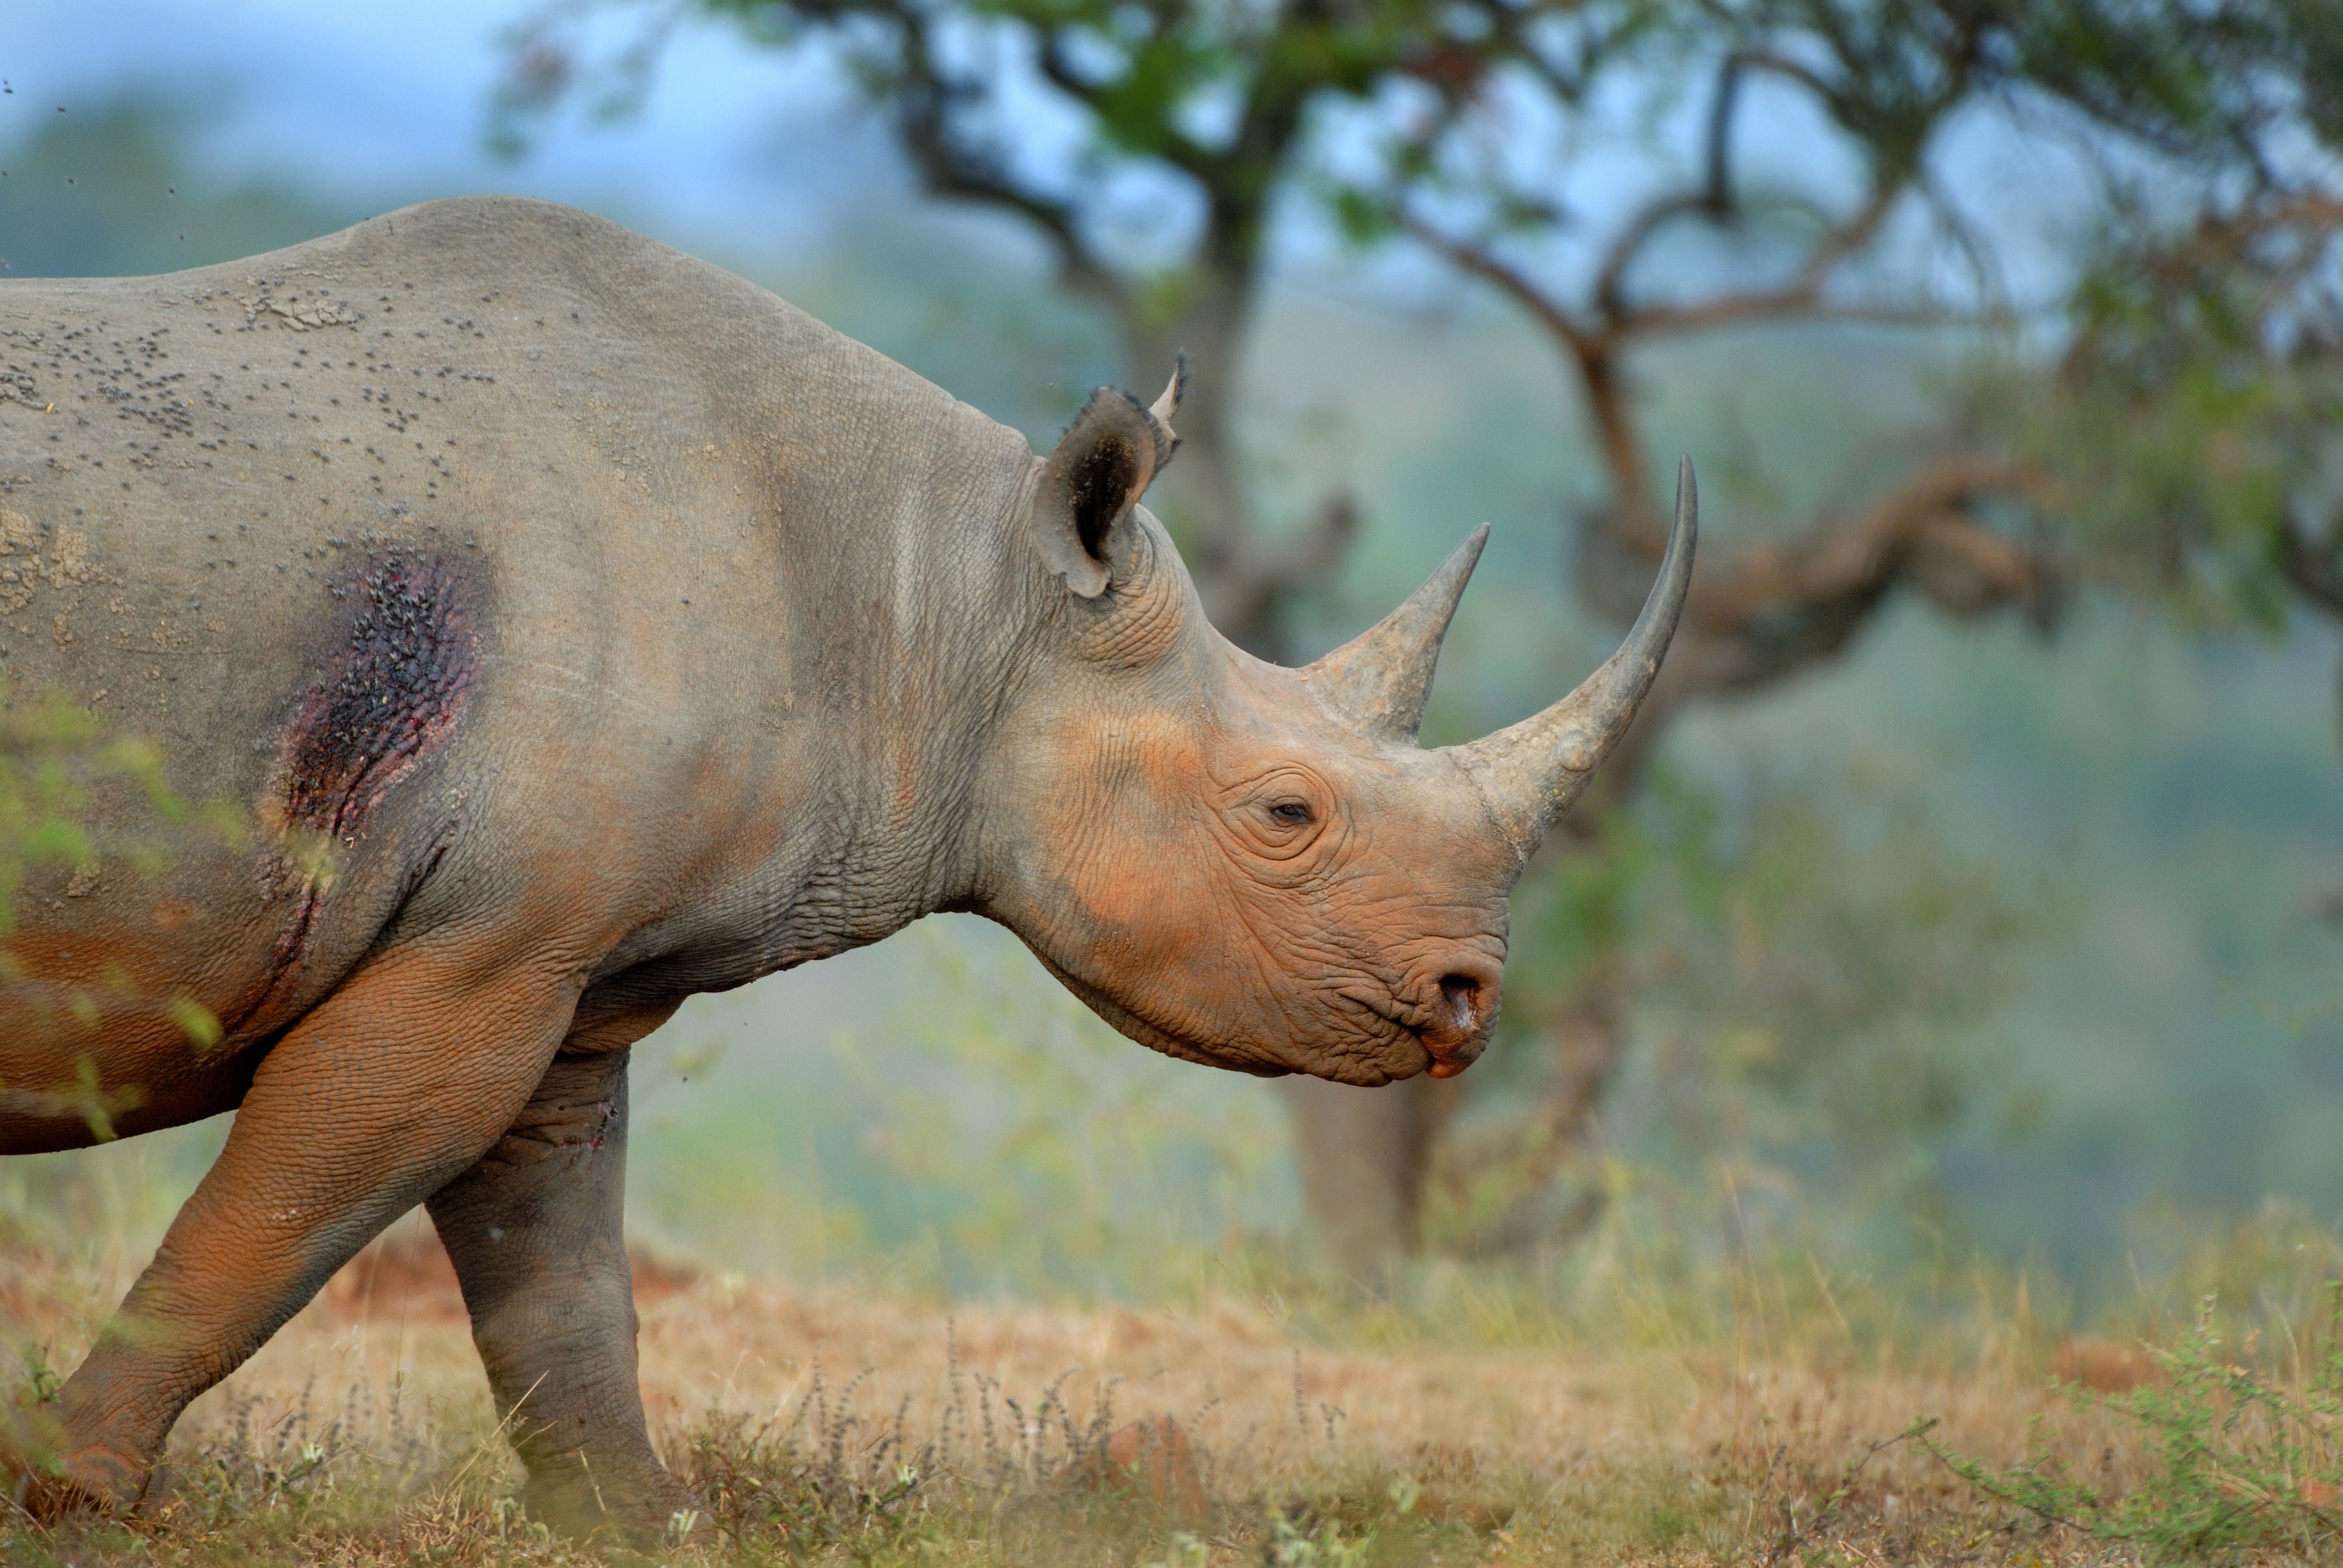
[{"x": 1257, "y": 867}]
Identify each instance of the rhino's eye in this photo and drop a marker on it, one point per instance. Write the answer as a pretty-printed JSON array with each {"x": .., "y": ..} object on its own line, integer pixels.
[{"x": 1279, "y": 812}]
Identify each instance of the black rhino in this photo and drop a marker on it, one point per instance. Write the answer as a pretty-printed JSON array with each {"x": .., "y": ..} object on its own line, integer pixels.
[{"x": 586, "y": 628}]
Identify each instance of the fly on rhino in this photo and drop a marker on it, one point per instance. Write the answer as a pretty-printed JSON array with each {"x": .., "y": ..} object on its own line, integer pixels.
[{"x": 402, "y": 574}]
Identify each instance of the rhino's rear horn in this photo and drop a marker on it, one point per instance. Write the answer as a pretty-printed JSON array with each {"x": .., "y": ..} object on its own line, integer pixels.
[
  {"x": 1379, "y": 680},
  {"x": 1093, "y": 479},
  {"x": 1167, "y": 407}
]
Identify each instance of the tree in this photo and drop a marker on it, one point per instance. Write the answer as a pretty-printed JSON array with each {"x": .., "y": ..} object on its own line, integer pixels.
[
  {"x": 1856, "y": 232},
  {"x": 1466, "y": 130},
  {"x": 2193, "y": 410},
  {"x": 1214, "y": 111},
  {"x": 1194, "y": 124}
]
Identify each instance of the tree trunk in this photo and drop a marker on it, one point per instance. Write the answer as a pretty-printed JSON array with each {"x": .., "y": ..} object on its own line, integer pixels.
[{"x": 1365, "y": 1155}]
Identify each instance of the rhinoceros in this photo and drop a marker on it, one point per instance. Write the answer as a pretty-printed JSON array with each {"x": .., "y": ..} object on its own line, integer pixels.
[{"x": 575, "y": 628}]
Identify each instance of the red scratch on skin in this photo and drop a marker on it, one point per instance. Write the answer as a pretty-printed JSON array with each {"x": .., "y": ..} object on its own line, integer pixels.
[{"x": 392, "y": 695}]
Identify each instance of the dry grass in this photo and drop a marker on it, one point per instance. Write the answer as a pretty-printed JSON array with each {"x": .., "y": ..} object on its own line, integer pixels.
[{"x": 363, "y": 1433}]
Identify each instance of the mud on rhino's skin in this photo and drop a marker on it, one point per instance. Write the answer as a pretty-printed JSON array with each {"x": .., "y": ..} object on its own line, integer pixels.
[{"x": 585, "y": 628}]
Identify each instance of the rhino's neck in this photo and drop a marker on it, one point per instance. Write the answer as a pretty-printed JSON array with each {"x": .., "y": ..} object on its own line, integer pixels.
[{"x": 910, "y": 615}]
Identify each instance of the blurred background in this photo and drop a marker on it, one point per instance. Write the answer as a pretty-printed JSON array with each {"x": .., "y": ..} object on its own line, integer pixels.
[{"x": 1969, "y": 903}]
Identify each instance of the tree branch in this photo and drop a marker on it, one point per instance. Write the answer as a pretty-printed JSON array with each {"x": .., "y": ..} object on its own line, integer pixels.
[
  {"x": 1174, "y": 147},
  {"x": 1833, "y": 562},
  {"x": 1509, "y": 280},
  {"x": 1790, "y": 70},
  {"x": 1771, "y": 611},
  {"x": 1720, "y": 194},
  {"x": 1801, "y": 296},
  {"x": 1594, "y": 354},
  {"x": 1776, "y": 305},
  {"x": 949, "y": 166},
  {"x": 1611, "y": 277},
  {"x": 2310, "y": 568}
]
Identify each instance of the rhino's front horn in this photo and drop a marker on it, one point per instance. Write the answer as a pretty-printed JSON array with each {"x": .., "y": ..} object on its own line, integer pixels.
[
  {"x": 1379, "y": 681},
  {"x": 1533, "y": 770}
]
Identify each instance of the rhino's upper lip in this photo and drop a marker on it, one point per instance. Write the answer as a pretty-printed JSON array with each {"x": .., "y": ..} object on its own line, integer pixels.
[
  {"x": 1392, "y": 1010},
  {"x": 1447, "y": 1060}
]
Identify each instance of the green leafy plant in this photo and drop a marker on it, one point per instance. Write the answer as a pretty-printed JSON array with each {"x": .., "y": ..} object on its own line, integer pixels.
[
  {"x": 1321, "y": 1544},
  {"x": 41, "y": 1383},
  {"x": 52, "y": 753},
  {"x": 2240, "y": 1460},
  {"x": 58, "y": 762}
]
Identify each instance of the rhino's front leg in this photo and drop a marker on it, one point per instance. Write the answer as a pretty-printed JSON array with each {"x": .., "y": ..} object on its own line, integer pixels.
[
  {"x": 535, "y": 1231},
  {"x": 387, "y": 1090}
]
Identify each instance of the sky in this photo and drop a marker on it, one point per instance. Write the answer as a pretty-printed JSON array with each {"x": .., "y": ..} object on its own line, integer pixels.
[
  {"x": 391, "y": 99},
  {"x": 734, "y": 150}
]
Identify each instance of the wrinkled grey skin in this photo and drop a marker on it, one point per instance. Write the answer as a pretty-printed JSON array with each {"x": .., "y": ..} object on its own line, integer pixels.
[{"x": 581, "y": 627}]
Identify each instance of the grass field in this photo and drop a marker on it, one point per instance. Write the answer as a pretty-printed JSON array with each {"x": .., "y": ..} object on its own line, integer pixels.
[{"x": 844, "y": 1427}]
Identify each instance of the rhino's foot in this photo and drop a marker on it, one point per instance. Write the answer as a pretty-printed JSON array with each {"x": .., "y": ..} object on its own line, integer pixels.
[
  {"x": 51, "y": 1488},
  {"x": 645, "y": 1507}
]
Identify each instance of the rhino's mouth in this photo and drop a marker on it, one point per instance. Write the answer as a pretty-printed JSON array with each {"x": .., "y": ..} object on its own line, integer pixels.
[
  {"x": 1451, "y": 1043},
  {"x": 1401, "y": 1021}
]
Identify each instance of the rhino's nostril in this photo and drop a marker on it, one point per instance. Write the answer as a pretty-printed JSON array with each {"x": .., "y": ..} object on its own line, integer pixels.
[
  {"x": 1462, "y": 995},
  {"x": 1457, "y": 1030}
]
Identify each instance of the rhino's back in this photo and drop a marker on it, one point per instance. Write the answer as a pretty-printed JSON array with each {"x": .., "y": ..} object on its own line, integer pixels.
[{"x": 580, "y": 425}]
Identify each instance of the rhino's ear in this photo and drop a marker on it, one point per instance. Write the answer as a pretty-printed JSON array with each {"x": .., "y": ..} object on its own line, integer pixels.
[{"x": 1092, "y": 481}]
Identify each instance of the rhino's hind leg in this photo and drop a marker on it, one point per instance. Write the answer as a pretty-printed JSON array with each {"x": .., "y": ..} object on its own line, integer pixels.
[
  {"x": 385, "y": 1091},
  {"x": 536, "y": 1232}
]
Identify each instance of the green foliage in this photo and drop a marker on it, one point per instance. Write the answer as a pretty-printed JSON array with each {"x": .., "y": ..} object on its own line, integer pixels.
[
  {"x": 2183, "y": 426},
  {"x": 2188, "y": 418},
  {"x": 52, "y": 754},
  {"x": 1290, "y": 1546},
  {"x": 2240, "y": 1460},
  {"x": 40, "y": 1383},
  {"x": 72, "y": 796},
  {"x": 1830, "y": 957}
]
